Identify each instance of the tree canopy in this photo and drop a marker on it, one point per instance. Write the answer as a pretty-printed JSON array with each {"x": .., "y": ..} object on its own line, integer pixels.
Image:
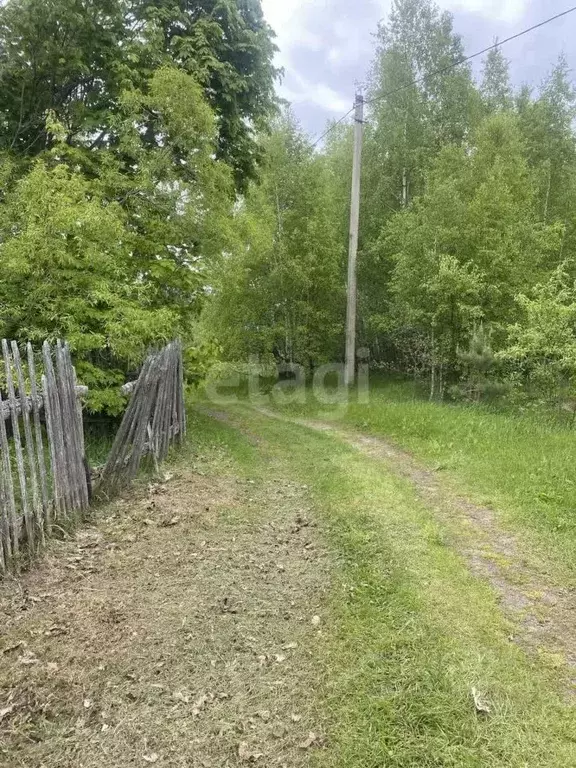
[
  {"x": 151, "y": 187},
  {"x": 126, "y": 129},
  {"x": 468, "y": 217}
]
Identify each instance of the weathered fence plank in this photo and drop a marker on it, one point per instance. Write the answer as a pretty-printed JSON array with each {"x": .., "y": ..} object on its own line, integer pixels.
[
  {"x": 46, "y": 529},
  {"x": 28, "y": 519},
  {"x": 10, "y": 515},
  {"x": 32, "y": 470},
  {"x": 154, "y": 418}
]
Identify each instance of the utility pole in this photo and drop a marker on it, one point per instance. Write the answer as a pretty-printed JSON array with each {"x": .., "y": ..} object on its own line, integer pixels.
[{"x": 350, "y": 372}]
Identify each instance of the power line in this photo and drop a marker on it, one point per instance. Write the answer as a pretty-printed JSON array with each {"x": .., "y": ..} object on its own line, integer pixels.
[
  {"x": 473, "y": 56},
  {"x": 331, "y": 128},
  {"x": 448, "y": 68}
]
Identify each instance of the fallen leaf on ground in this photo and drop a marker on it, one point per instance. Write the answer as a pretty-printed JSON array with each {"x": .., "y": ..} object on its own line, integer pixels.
[
  {"x": 55, "y": 630},
  {"x": 482, "y": 707},
  {"x": 170, "y": 523},
  {"x": 279, "y": 731},
  {"x": 6, "y": 711},
  {"x": 182, "y": 696},
  {"x": 246, "y": 754},
  {"x": 14, "y": 647},
  {"x": 310, "y": 741},
  {"x": 153, "y": 758},
  {"x": 200, "y": 703}
]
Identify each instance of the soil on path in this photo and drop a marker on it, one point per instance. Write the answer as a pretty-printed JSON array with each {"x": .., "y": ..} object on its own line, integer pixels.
[
  {"x": 544, "y": 613},
  {"x": 179, "y": 630}
]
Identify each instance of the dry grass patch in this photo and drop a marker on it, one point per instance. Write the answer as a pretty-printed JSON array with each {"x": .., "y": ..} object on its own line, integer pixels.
[{"x": 179, "y": 630}]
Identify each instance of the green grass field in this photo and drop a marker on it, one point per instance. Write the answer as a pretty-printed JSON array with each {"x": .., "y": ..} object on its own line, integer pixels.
[
  {"x": 522, "y": 464},
  {"x": 408, "y": 630}
]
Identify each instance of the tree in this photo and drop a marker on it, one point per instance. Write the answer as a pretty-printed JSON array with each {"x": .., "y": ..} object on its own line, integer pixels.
[
  {"x": 421, "y": 100},
  {"x": 64, "y": 57},
  {"x": 280, "y": 293},
  {"x": 478, "y": 361},
  {"x": 542, "y": 346},
  {"x": 110, "y": 260},
  {"x": 547, "y": 124},
  {"x": 470, "y": 244},
  {"x": 495, "y": 87},
  {"x": 67, "y": 274},
  {"x": 228, "y": 47},
  {"x": 75, "y": 58}
]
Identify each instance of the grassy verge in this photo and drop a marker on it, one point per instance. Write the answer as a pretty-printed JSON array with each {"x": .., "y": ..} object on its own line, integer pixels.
[
  {"x": 521, "y": 464},
  {"x": 408, "y": 632}
]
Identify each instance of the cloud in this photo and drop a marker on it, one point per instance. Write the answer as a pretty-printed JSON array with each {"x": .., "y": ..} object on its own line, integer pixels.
[
  {"x": 314, "y": 41},
  {"x": 507, "y": 11},
  {"x": 327, "y": 46},
  {"x": 298, "y": 90}
]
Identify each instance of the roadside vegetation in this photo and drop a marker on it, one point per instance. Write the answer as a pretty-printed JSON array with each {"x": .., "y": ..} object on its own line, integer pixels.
[
  {"x": 521, "y": 463},
  {"x": 408, "y": 631},
  {"x": 467, "y": 228}
]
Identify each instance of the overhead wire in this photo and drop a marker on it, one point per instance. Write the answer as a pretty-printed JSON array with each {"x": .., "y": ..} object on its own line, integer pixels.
[{"x": 448, "y": 68}]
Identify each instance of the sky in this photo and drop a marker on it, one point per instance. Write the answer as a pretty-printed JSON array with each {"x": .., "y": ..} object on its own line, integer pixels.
[{"x": 326, "y": 46}]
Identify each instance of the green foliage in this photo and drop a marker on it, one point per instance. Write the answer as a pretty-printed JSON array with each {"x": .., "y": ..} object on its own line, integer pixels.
[
  {"x": 124, "y": 126},
  {"x": 543, "y": 343},
  {"x": 59, "y": 56},
  {"x": 228, "y": 48},
  {"x": 468, "y": 204},
  {"x": 76, "y": 57},
  {"x": 464, "y": 249},
  {"x": 280, "y": 292},
  {"x": 468, "y": 198},
  {"x": 495, "y": 87},
  {"x": 128, "y": 128},
  {"x": 479, "y": 362},
  {"x": 67, "y": 273}
]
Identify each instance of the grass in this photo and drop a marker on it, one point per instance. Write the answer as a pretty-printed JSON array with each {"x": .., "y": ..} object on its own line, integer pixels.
[
  {"x": 522, "y": 464},
  {"x": 409, "y": 632},
  {"x": 130, "y": 614}
]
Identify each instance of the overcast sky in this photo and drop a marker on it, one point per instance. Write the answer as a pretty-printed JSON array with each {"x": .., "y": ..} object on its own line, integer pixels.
[{"x": 327, "y": 45}]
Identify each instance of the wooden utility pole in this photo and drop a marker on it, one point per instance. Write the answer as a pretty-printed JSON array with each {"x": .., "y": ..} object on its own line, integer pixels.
[{"x": 350, "y": 372}]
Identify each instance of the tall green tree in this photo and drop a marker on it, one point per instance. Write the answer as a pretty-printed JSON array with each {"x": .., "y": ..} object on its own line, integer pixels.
[
  {"x": 495, "y": 88},
  {"x": 62, "y": 57},
  {"x": 229, "y": 48},
  {"x": 547, "y": 123},
  {"x": 114, "y": 261},
  {"x": 471, "y": 243},
  {"x": 74, "y": 58},
  {"x": 280, "y": 293},
  {"x": 421, "y": 99}
]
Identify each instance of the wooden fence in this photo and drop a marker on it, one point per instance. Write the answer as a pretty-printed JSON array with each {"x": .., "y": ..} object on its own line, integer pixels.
[
  {"x": 43, "y": 478},
  {"x": 44, "y": 475},
  {"x": 154, "y": 420}
]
